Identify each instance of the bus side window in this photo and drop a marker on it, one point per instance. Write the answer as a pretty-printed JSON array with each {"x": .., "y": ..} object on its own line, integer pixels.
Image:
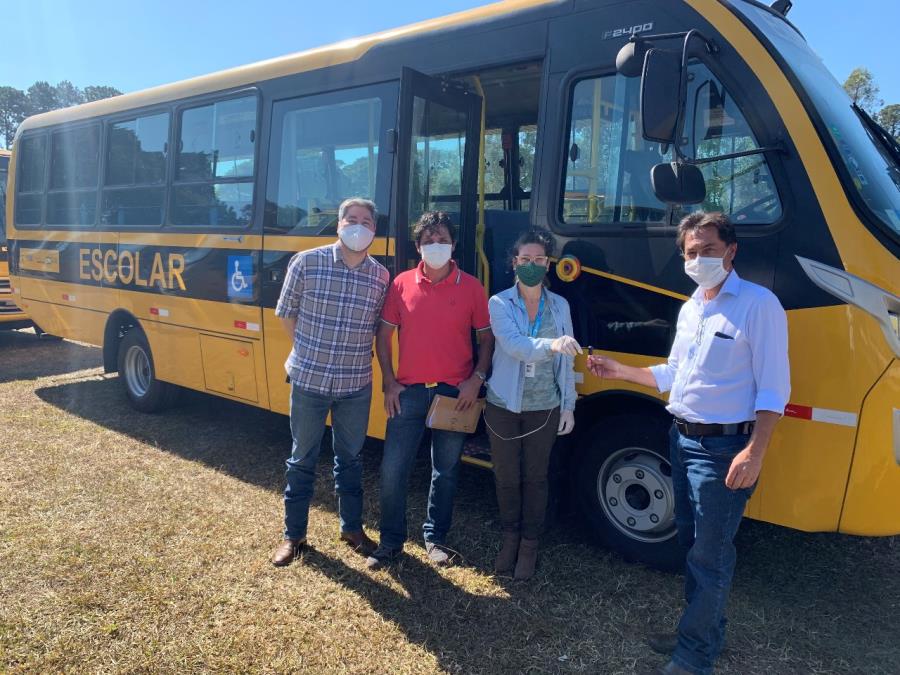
[
  {"x": 134, "y": 186},
  {"x": 214, "y": 164},
  {"x": 74, "y": 167},
  {"x": 32, "y": 161},
  {"x": 323, "y": 151},
  {"x": 607, "y": 174}
]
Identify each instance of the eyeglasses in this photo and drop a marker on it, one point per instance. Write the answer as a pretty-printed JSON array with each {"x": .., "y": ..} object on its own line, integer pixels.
[{"x": 536, "y": 259}]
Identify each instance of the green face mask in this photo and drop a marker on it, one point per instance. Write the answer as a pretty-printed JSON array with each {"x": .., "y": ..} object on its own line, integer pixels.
[{"x": 531, "y": 274}]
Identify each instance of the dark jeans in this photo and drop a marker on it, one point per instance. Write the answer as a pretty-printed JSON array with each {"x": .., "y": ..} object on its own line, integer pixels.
[
  {"x": 349, "y": 421},
  {"x": 520, "y": 466},
  {"x": 707, "y": 514},
  {"x": 402, "y": 438}
]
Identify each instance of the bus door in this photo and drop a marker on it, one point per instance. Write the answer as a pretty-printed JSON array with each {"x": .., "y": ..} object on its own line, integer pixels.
[{"x": 437, "y": 163}]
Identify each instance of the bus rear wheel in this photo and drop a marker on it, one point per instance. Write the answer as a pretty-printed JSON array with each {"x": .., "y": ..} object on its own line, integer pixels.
[
  {"x": 138, "y": 375},
  {"x": 624, "y": 487}
]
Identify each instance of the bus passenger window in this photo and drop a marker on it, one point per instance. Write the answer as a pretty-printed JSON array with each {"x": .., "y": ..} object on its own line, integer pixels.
[
  {"x": 74, "y": 162},
  {"x": 214, "y": 165},
  {"x": 607, "y": 174},
  {"x": 320, "y": 156},
  {"x": 30, "y": 184},
  {"x": 134, "y": 190}
]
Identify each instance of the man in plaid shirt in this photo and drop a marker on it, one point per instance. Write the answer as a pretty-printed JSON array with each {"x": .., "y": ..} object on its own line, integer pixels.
[{"x": 330, "y": 304}]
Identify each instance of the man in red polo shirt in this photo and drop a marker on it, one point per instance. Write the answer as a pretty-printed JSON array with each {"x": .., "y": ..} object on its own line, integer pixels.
[{"x": 436, "y": 306}]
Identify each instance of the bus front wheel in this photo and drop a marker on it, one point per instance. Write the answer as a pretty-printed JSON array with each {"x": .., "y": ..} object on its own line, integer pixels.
[
  {"x": 138, "y": 375},
  {"x": 624, "y": 487}
]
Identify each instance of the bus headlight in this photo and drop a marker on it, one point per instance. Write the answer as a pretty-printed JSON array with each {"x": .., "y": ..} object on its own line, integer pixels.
[{"x": 882, "y": 305}]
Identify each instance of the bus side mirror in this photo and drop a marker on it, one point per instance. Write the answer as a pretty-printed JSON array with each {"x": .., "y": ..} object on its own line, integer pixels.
[
  {"x": 678, "y": 183},
  {"x": 661, "y": 96}
]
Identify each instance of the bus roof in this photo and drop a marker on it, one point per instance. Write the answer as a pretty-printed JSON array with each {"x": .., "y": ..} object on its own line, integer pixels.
[{"x": 311, "y": 59}]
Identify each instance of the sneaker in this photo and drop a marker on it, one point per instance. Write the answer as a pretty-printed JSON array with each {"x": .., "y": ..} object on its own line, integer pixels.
[
  {"x": 382, "y": 557},
  {"x": 438, "y": 554}
]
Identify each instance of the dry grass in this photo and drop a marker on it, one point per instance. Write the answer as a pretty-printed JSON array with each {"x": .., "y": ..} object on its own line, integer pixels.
[{"x": 140, "y": 543}]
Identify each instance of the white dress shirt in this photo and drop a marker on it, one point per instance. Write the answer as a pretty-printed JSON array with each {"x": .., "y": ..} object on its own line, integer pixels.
[{"x": 730, "y": 356}]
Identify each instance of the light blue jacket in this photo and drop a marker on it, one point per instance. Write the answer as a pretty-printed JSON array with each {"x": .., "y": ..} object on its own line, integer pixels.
[{"x": 514, "y": 348}]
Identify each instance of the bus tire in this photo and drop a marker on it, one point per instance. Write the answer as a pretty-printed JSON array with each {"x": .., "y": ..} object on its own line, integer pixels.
[
  {"x": 624, "y": 488},
  {"x": 138, "y": 375}
]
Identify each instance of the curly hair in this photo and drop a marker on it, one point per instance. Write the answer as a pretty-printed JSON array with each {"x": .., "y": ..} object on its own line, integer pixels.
[{"x": 432, "y": 222}]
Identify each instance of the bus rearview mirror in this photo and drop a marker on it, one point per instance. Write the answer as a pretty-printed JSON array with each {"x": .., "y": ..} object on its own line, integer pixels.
[
  {"x": 678, "y": 183},
  {"x": 660, "y": 96}
]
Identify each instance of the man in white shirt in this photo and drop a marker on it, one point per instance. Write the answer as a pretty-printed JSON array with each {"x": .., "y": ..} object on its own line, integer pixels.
[{"x": 729, "y": 381}]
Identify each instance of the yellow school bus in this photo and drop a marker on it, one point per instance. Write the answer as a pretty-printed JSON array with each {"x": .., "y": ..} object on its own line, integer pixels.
[
  {"x": 159, "y": 224},
  {"x": 10, "y": 315}
]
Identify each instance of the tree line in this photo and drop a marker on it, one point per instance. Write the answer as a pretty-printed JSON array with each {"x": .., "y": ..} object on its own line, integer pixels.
[
  {"x": 863, "y": 91},
  {"x": 16, "y": 104}
]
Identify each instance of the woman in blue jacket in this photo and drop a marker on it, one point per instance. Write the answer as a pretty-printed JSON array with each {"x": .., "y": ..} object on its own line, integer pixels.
[{"x": 530, "y": 397}]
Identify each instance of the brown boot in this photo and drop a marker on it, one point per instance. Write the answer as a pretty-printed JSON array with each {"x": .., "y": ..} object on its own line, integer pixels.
[
  {"x": 506, "y": 558},
  {"x": 287, "y": 552},
  {"x": 527, "y": 559},
  {"x": 359, "y": 542}
]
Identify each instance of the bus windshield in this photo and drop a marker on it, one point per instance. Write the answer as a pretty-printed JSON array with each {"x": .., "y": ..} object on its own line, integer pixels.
[{"x": 874, "y": 173}]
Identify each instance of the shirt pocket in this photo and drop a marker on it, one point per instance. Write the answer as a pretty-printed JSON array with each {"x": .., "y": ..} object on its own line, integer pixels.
[{"x": 722, "y": 353}]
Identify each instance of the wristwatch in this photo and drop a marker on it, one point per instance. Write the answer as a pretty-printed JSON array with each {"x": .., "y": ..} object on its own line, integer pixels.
[{"x": 481, "y": 376}]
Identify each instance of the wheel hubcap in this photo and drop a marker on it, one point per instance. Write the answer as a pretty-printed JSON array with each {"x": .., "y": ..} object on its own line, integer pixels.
[
  {"x": 634, "y": 487},
  {"x": 137, "y": 371}
]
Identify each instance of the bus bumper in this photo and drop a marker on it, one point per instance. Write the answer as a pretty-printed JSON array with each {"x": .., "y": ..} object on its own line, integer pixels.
[{"x": 872, "y": 503}]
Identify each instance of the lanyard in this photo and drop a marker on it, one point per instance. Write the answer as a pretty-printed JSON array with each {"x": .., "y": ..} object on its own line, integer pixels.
[{"x": 536, "y": 326}]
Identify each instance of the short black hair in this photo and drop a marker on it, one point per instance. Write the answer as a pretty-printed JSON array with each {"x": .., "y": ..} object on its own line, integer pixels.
[
  {"x": 697, "y": 220},
  {"x": 534, "y": 235},
  {"x": 432, "y": 222}
]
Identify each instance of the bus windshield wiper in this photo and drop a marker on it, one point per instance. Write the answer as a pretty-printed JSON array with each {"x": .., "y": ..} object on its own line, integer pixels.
[{"x": 875, "y": 129}]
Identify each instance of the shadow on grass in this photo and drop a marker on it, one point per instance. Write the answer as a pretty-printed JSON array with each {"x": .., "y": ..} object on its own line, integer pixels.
[
  {"x": 25, "y": 356},
  {"x": 801, "y": 602}
]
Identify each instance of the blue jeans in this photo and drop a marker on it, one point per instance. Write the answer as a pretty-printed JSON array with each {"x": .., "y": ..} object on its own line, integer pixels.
[
  {"x": 402, "y": 438},
  {"x": 707, "y": 514},
  {"x": 349, "y": 422}
]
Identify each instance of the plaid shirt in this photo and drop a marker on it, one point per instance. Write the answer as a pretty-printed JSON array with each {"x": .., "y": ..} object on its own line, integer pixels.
[{"x": 337, "y": 309}]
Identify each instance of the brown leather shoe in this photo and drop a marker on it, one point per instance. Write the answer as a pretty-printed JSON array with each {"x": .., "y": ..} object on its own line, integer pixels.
[
  {"x": 288, "y": 551},
  {"x": 359, "y": 542}
]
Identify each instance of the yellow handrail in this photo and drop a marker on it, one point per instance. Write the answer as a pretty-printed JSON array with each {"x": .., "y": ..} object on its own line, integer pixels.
[{"x": 484, "y": 272}]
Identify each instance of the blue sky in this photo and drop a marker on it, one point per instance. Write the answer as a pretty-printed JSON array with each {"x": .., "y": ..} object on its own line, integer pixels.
[{"x": 132, "y": 46}]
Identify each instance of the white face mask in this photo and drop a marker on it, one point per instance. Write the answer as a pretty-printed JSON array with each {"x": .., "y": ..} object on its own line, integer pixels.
[
  {"x": 436, "y": 255},
  {"x": 706, "y": 272},
  {"x": 356, "y": 237}
]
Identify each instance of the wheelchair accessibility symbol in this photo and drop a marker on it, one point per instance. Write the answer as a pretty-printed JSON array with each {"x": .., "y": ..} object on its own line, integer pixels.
[{"x": 240, "y": 277}]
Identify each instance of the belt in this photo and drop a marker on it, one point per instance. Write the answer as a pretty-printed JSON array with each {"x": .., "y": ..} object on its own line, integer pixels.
[{"x": 697, "y": 429}]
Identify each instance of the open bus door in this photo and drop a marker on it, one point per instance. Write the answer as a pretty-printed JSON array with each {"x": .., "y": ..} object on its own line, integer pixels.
[{"x": 437, "y": 162}]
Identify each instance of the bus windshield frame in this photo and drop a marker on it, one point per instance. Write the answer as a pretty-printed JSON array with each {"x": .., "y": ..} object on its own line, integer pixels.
[{"x": 869, "y": 172}]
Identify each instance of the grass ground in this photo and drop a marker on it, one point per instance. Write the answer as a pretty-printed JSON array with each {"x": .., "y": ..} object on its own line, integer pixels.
[{"x": 136, "y": 543}]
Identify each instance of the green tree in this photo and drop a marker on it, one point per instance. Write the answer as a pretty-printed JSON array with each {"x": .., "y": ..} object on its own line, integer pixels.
[
  {"x": 862, "y": 89},
  {"x": 41, "y": 98},
  {"x": 889, "y": 118},
  {"x": 13, "y": 109},
  {"x": 67, "y": 94},
  {"x": 95, "y": 93}
]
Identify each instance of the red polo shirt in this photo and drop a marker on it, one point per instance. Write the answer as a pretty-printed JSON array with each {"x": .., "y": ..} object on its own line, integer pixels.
[{"x": 436, "y": 323}]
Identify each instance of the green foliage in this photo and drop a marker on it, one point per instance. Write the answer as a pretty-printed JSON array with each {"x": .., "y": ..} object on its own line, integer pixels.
[
  {"x": 16, "y": 105},
  {"x": 889, "y": 118},
  {"x": 862, "y": 89}
]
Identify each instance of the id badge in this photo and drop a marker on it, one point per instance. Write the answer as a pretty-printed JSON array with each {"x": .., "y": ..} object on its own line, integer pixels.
[{"x": 529, "y": 369}]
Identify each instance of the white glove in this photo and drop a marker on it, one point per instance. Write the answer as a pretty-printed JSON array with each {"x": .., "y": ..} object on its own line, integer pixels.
[
  {"x": 566, "y": 422},
  {"x": 566, "y": 345}
]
